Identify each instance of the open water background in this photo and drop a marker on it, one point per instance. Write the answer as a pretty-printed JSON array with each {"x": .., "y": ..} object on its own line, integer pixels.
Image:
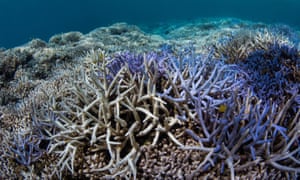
[{"x": 23, "y": 20}]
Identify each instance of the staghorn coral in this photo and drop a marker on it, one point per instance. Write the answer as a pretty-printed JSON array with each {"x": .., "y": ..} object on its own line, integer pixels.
[
  {"x": 111, "y": 115},
  {"x": 237, "y": 46},
  {"x": 166, "y": 114},
  {"x": 250, "y": 125},
  {"x": 122, "y": 107},
  {"x": 246, "y": 134},
  {"x": 27, "y": 148},
  {"x": 273, "y": 71},
  {"x": 139, "y": 112}
]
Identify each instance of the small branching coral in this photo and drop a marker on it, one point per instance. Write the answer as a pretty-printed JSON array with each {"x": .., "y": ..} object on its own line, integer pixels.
[
  {"x": 236, "y": 47},
  {"x": 26, "y": 148},
  {"x": 27, "y": 145}
]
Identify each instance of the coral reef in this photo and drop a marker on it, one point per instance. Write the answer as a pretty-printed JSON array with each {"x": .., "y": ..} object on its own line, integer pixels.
[
  {"x": 273, "y": 71},
  {"x": 169, "y": 110},
  {"x": 152, "y": 94},
  {"x": 237, "y": 45}
]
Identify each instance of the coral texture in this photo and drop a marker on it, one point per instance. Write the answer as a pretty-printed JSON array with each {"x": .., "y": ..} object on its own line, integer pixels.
[
  {"x": 184, "y": 111},
  {"x": 121, "y": 105}
]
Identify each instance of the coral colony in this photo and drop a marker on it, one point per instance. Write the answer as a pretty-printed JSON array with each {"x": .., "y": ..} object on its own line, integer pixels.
[{"x": 224, "y": 112}]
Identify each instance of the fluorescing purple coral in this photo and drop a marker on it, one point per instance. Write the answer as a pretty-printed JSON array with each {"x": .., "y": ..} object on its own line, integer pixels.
[
  {"x": 127, "y": 101},
  {"x": 200, "y": 85},
  {"x": 273, "y": 71},
  {"x": 26, "y": 149},
  {"x": 135, "y": 62},
  {"x": 246, "y": 125}
]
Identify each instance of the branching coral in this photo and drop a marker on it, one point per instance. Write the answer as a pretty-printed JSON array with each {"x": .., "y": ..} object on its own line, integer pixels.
[
  {"x": 246, "y": 134},
  {"x": 26, "y": 149},
  {"x": 236, "y": 47},
  {"x": 120, "y": 104},
  {"x": 115, "y": 111},
  {"x": 273, "y": 71},
  {"x": 171, "y": 113},
  {"x": 249, "y": 127}
]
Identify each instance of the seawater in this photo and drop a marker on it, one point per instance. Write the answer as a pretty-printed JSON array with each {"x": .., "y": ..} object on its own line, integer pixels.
[{"x": 23, "y": 20}]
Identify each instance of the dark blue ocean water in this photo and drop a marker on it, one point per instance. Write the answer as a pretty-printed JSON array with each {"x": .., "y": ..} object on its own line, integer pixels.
[{"x": 22, "y": 20}]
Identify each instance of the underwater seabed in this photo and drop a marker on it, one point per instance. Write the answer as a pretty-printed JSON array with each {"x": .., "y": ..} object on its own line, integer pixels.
[{"x": 206, "y": 99}]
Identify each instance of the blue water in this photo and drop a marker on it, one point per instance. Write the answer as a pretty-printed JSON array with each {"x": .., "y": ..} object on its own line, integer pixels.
[{"x": 23, "y": 20}]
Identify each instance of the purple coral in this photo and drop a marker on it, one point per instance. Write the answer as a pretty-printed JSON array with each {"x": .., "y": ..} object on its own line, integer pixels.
[
  {"x": 248, "y": 123},
  {"x": 273, "y": 71},
  {"x": 132, "y": 97},
  {"x": 136, "y": 62},
  {"x": 27, "y": 149}
]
